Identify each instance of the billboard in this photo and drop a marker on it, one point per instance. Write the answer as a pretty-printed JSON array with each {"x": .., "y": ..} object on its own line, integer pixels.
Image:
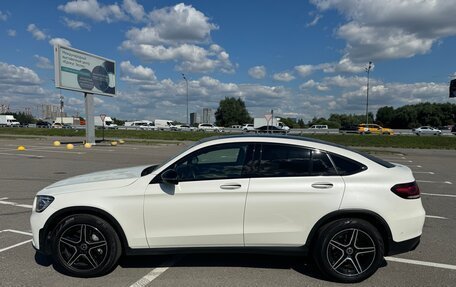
[{"x": 83, "y": 72}]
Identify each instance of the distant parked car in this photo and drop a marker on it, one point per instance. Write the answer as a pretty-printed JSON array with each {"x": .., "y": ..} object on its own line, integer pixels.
[
  {"x": 353, "y": 129},
  {"x": 248, "y": 128},
  {"x": 43, "y": 124},
  {"x": 453, "y": 130},
  {"x": 61, "y": 126},
  {"x": 318, "y": 127},
  {"x": 208, "y": 128},
  {"x": 184, "y": 128},
  {"x": 374, "y": 129},
  {"x": 427, "y": 130}
]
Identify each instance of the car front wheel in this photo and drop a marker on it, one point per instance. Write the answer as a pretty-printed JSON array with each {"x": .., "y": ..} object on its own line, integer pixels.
[
  {"x": 349, "y": 250},
  {"x": 85, "y": 246}
]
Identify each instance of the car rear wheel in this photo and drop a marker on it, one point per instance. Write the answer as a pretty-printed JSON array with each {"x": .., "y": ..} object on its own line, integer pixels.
[
  {"x": 85, "y": 246},
  {"x": 349, "y": 250}
]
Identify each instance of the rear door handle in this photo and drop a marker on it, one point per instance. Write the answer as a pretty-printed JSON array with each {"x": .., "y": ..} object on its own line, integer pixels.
[
  {"x": 322, "y": 185},
  {"x": 230, "y": 186}
]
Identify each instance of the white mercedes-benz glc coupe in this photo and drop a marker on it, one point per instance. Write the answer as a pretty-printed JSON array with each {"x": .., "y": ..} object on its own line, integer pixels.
[{"x": 237, "y": 193}]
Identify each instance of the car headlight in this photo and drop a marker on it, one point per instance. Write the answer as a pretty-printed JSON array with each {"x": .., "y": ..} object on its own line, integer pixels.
[{"x": 42, "y": 202}]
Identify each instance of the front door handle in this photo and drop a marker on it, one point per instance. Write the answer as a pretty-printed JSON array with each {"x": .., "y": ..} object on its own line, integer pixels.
[
  {"x": 322, "y": 185},
  {"x": 230, "y": 186}
]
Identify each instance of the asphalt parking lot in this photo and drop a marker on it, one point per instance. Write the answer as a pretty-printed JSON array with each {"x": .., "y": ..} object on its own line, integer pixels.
[{"x": 23, "y": 173}]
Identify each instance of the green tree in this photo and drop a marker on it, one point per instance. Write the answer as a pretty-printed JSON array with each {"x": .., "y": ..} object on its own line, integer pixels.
[
  {"x": 385, "y": 116},
  {"x": 289, "y": 122},
  {"x": 24, "y": 118},
  {"x": 232, "y": 111},
  {"x": 118, "y": 121},
  {"x": 301, "y": 124}
]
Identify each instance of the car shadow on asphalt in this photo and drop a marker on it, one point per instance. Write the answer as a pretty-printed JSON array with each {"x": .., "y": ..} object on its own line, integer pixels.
[{"x": 300, "y": 264}]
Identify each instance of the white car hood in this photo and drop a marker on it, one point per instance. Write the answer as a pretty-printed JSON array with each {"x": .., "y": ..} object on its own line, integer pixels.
[{"x": 110, "y": 178}]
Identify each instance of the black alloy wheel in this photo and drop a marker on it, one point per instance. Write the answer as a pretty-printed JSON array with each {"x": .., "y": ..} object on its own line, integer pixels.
[
  {"x": 349, "y": 250},
  {"x": 85, "y": 246}
]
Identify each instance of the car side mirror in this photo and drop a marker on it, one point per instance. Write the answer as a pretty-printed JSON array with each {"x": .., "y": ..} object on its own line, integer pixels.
[{"x": 170, "y": 176}]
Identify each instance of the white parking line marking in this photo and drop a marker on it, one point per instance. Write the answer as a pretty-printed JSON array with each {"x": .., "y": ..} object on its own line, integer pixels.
[
  {"x": 435, "y": 217},
  {"x": 419, "y": 166},
  {"x": 15, "y": 245},
  {"x": 25, "y": 155},
  {"x": 430, "y": 181},
  {"x": 154, "y": 273},
  {"x": 16, "y": 231},
  {"x": 15, "y": 204},
  {"x": 398, "y": 160},
  {"x": 439, "y": 194},
  {"x": 56, "y": 151},
  {"x": 426, "y": 172},
  {"x": 422, "y": 263}
]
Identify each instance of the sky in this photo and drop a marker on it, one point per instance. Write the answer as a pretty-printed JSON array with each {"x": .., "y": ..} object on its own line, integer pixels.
[{"x": 303, "y": 59}]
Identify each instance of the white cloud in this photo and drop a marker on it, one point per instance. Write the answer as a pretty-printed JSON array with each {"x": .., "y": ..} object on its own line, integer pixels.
[
  {"x": 305, "y": 70},
  {"x": 309, "y": 84},
  {"x": 345, "y": 65},
  {"x": 179, "y": 33},
  {"x": 36, "y": 32},
  {"x": 139, "y": 73},
  {"x": 314, "y": 21},
  {"x": 75, "y": 25},
  {"x": 94, "y": 10},
  {"x": 11, "y": 32},
  {"x": 11, "y": 74},
  {"x": 283, "y": 77},
  {"x": 59, "y": 41},
  {"x": 19, "y": 85},
  {"x": 134, "y": 9},
  {"x": 181, "y": 23},
  {"x": 392, "y": 29},
  {"x": 4, "y": 16},
  {"x": 257, "y": 72},
  {"x": 43, "y": 62}
]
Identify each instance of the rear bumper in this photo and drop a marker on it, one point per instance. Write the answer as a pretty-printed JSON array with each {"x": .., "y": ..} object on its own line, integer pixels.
[{"x": 403, "y": 246}]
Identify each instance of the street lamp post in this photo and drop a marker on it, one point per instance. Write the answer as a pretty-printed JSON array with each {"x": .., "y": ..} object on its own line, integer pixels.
[
  {"x": 367, "y": 93},
  {"x": 61, "y": 108},
  {"x": 186, "y": 81}
]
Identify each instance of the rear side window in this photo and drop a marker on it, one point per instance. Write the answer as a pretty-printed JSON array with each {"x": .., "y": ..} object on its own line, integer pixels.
[
  {"x": 284, "y": 160},
  {"x": 346, "y": 166}
]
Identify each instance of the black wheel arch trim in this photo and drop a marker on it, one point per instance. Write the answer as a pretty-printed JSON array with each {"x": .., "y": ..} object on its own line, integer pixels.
[
  {"x": 45, "y": 234},
  {"x": 370, "y": 216}
]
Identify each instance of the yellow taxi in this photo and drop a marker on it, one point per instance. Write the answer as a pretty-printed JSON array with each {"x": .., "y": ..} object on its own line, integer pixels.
[{"x": 374, "y": 129}]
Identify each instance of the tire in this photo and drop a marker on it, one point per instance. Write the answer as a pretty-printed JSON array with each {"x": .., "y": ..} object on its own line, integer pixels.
[
  {"x": 92, "y": 255},
  {"x": 348, "y": 250}
]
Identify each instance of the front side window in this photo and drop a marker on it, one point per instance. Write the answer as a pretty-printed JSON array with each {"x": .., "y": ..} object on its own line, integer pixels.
[{"x": 218, "y": 162}]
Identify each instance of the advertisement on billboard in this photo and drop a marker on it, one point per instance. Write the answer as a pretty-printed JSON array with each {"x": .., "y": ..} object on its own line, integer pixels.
[{"x": 83, "y": 72}]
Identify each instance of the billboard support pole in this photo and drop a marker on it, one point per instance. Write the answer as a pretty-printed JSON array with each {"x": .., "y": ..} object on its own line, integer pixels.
[{"x": 90, "y": 119}]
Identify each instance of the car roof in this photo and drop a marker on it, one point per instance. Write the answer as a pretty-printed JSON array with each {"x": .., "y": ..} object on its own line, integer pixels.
[{"x": 298, "y": 138}]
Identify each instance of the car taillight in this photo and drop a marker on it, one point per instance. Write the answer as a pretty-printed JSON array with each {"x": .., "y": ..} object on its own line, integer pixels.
[{"x": 407, "y": 190}]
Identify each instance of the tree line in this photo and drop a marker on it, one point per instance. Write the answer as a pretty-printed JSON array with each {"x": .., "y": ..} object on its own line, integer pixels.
[
  {"x": 232, "y": 111},
  {"x": 405, "y": 117}
]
